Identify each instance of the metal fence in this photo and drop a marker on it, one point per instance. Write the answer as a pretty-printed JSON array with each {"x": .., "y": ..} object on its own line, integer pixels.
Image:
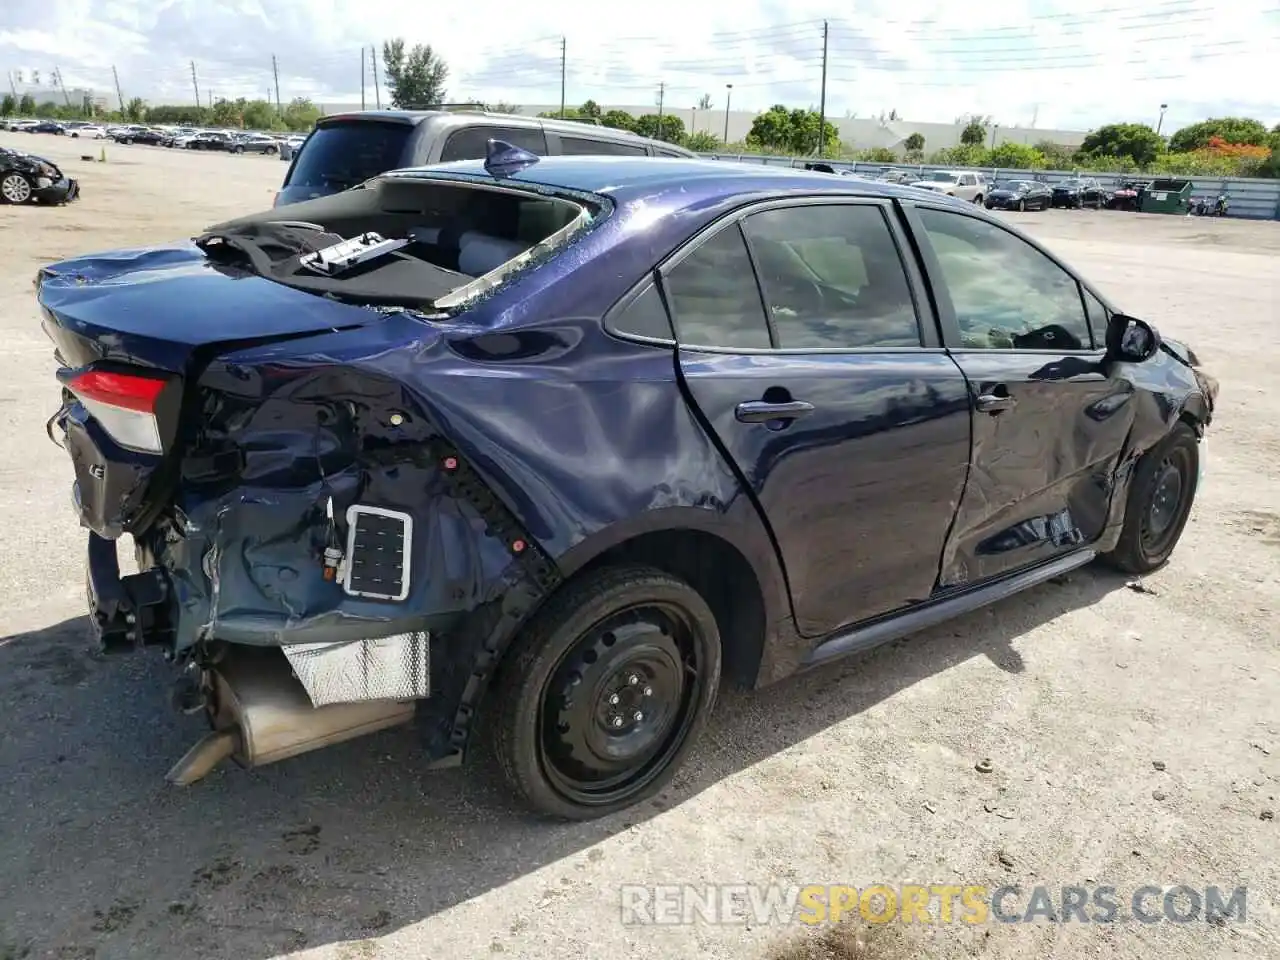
[{"x": 1251, "y": 199}]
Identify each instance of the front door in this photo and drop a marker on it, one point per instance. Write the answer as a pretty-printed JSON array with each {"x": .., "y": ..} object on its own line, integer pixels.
[
  {"x": 1049, "y": 421},
  {"x": 803, "y": 346}
]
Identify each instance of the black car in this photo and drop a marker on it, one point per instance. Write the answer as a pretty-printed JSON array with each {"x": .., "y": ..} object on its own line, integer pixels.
[
  {"x": 28, "y": 179},
  {"x": 49, "y": 126},
  {"x": 569, "y": 439},
  {"x": 211, "y": 140},
  {"x": 1079, "y": 192},
  {"x": 1018, "y": 195}
]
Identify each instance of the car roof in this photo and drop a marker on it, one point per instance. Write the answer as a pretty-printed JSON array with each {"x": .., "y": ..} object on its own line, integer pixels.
[
  {"x": 465, "y": 117},
  {"x": 697, "y": 180}
]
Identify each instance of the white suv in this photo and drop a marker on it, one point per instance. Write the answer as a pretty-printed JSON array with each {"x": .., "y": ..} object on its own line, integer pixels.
[{"x": 956, "y": 183}]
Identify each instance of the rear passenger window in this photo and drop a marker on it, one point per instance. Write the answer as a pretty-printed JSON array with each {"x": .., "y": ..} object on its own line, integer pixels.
[
  {"x": 582, "y": 147},
  {"x": 472, "y": 143},
  {"x": 645, "y": 316},
  {"x": 832, "y": 277},
  {"x": 713, "y": 295}
]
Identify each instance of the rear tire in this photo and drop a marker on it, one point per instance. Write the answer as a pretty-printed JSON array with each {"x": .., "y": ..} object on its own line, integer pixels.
[
  {"x": 605, "y": 692},
  {"x": 1022, "y": 206},
  {"x": 1161, "y": 494}
]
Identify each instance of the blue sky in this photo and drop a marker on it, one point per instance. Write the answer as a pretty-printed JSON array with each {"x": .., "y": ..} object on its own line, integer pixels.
[{"x": 1067, "y": 65}]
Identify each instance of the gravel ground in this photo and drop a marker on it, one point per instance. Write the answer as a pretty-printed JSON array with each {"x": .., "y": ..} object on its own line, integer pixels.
[{"x": 1133, "y": 737}]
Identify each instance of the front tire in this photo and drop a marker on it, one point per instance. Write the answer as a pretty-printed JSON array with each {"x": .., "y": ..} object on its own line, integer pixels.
[
  {"x": 1022, "y": 206},
  {"x": 15, "y": 188},
  {"x": 1161, "y": 494},
  {"x": 606, "y": 691}
]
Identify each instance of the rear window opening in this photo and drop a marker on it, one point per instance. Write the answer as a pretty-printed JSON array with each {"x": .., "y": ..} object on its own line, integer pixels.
[{"x": 419, "y": 242}]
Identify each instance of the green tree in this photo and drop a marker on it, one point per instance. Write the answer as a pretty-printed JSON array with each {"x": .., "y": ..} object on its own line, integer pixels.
[
  {"x": 671, "y": 128},
  {"x": 135, "y": 110},
  {"x": 26, "y": 105},
  {"x": 974, "y": 133},
  {"x": 189, "y": 115},
  {"x": 797, "y": 131},
  {"x": 415, "y": 78},
  {"x": 9, "y": 105},
  {"x": 704, "y": 102},
  {"x": 301, "y": 114},
  {"x": 702, "y": 142},
  {"x": 227, "y": 113},
  {"x": 1016, "y": 156},
  {"x": 1135, "y": 141},
  {"x": 878, "y": 155},
  {"x": 589, "y": 110},
  {"x": 619, "y": 120},
  {"x": 1057, "y": 156},
  {"x": 1230, "y": 129},
  {"x": 261, "y": 115},
  {"x": 914, "y": 143}
]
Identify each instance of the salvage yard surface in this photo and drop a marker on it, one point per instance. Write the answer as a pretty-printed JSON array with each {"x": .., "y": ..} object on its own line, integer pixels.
[{"x": 1133, "y": 735}]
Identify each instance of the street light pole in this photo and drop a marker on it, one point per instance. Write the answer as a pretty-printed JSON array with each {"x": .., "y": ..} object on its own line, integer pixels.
[
  {"x": 728, "y": 95},
  {"x": 1160, "y": 122}
]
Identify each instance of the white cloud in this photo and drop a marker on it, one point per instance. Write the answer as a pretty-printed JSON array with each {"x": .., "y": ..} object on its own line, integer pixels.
[{"x": 1068, "y": 65}]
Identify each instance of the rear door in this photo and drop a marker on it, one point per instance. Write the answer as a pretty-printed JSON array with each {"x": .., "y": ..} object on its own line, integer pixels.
[
  {"x": 807, "y": 345},
  {"x": 1050, "y": 420}
]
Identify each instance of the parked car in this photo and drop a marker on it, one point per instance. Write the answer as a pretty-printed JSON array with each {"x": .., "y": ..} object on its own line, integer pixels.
[
  {"x": 447, "y": 467},
  {"x": 289, "y": 145},
  {"x": 255, "y": 143},
  {"x": 964, "y": 184},
  {"x": 137, "y": 133},
  {"x": 48, "y": 126},
  {"x": 89, "y": 131},
  {"x": 1019, "y": 195},
  {"x": 1079, "y": 192},
  {"x": 28, "y": 179},
  {"x": 19, "y": 126},
  {"x": 211, "y": 140},
  {"x": 347, "y": 149}
]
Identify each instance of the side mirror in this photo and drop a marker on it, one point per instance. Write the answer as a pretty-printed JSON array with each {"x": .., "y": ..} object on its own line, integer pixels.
[{"x": 1131, "y": 340}]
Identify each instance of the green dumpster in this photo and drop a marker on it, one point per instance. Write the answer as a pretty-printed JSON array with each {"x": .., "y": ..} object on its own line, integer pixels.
[{"x": 1166, "y": 196}]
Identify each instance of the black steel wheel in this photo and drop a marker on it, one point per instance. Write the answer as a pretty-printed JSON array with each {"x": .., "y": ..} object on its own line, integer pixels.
[
  {"x": 606, "y": 691},
  {"x": 1161, "y": 494}
]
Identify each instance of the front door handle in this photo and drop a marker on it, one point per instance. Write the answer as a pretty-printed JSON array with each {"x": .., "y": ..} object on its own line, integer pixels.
[
  {"x": 760, "y": 411},
  {"x": 991, "y": 403}
]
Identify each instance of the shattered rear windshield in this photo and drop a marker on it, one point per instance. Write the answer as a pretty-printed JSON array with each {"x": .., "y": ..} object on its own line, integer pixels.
[{"x": 341, "y": 155}]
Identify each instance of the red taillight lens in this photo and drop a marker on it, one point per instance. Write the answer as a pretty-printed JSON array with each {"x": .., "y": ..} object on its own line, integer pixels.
[
  {"x": 124, "y": 405},
  {"x": 119, "y": 389}
]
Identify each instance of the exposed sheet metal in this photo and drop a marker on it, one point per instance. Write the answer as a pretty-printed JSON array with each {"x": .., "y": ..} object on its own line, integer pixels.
[{"x": 385, "y": 668}]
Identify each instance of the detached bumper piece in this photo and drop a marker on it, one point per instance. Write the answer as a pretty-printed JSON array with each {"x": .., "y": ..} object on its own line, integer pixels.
[{"x": 127, "y": 612}]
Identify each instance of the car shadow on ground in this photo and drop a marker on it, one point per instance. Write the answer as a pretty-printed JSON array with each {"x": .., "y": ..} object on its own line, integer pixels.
[{"x": 103, "y": 859}]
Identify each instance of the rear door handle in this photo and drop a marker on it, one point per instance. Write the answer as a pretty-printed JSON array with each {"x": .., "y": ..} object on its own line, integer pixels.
[
  {"x": 990, "y": 403},
  {"x": 758, "y": 411}
]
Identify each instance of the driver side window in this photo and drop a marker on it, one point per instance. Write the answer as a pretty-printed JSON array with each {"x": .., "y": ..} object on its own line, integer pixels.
[{"x": 1007, "y": 294}]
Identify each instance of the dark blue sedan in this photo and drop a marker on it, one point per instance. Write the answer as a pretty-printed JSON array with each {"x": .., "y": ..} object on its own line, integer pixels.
[{"x": 562, "y": 442}]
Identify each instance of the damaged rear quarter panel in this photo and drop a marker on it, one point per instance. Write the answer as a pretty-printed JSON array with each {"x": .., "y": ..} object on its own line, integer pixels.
[{"x": 582, "y": 440}]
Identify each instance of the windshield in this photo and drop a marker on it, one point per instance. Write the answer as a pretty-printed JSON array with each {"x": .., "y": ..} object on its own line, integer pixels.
[
  {"x": 941, "y": 176},
  {"x": 1012, "y": 185},
  {"x": 342, "y": 155},
  {"x": 1071, "y": 184}
]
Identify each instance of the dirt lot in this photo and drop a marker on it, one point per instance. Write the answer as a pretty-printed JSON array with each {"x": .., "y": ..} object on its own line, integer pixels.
[{"x": 1134, "y": 737}]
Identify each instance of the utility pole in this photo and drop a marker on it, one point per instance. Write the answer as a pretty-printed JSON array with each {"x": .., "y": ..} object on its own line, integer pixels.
[
  {"x": 377, "y": 93},
  {"x": 662, "y": 95},
  {"x": 822, "y": 102},
  {"x": 119, "y": 94},
  {"x": 362, "y": 82},
  {"x": 57, "y": 76},
  {"x": 563, "y": 69},
  {"x": 195, "y": 84},
  {"x": 728, "y": 95},
  {"x": 275, "y": 70}
]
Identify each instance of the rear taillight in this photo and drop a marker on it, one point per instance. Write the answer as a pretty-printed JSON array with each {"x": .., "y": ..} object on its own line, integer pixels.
[{"x": 124, "y": 405}]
